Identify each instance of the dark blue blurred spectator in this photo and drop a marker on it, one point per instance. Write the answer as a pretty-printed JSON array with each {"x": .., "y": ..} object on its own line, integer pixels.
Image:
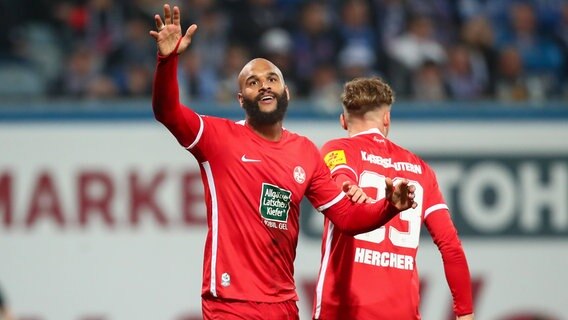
[
  {"x": 315, "y": 42},
  {"x": 541, "y": 57},
  {"x": 409, "y": 51},
  {"x": 251, "y": 18},
  {"x": 197, "y": 80},
  {"x": 443, "y": 12},
  {"x": 513, "y": 83},
  {"x": 427, "y": 83},
  {"x": 426, "y": 49},
  {"x": 465, "y": 77},
  {"x": 212, "y": 38},
  {"x": 355, "y": 25},
  {"x": 326, "y": 89},
  {"x": 236, "y": 56},
  {"x": 477, "y": 35}
]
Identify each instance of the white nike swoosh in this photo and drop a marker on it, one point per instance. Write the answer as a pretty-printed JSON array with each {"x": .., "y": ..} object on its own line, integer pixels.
[{"x": 245, "y": 159}]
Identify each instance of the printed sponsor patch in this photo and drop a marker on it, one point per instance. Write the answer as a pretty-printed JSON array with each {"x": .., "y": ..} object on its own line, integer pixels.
[
  {"x": 335, "y": 158},
  {"x": 275, "y": 203}
]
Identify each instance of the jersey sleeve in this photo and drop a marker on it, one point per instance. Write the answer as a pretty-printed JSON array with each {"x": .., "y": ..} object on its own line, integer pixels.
[
  {"x": 348, "y": 217},
  {"x": 182, "y": 122},
  {"x": 434, "y": 201},
  {"x": 341, "y": 163},
  {"x": 186, "y": 125},
  {"x": 445, "y": 236}
]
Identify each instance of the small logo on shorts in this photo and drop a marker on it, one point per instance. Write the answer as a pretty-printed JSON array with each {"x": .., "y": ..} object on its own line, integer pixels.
[{"x": 225, "y": 280}]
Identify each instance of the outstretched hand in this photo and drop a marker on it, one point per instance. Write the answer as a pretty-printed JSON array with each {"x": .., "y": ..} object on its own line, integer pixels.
[
  {"x": 169, "y": 36},
  {"x": 400, "y": 195}
]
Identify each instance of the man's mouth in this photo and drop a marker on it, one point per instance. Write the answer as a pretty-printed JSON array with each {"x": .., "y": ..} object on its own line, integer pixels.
[{"x": 267, "y": 98}]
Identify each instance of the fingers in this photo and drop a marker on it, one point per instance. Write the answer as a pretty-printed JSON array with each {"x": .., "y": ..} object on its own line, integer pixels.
[
  {"x": 389, "y": 188},
  {"x": 190, "y": 31},
  {"x": 159, "y": 26},
  {"x": 176, "y": 16},
  {"x": 354, "y": 193},
  {"x": 358, "y": 195},
  {"x": 167, "y": 14},
  {"x": 159, "y": 23},
  {"x": 389, "y": 183},
  {"x": 402, "y": 194},
  {"x": 346, "y": 186}
]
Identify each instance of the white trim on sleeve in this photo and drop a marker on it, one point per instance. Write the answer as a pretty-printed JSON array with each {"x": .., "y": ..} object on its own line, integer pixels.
[
  {"x": 332, "y": 202},
  {"x": 198, "y": 134},
  {"x": 435, "y": 207},
  {"x": 342, "y": 166}
]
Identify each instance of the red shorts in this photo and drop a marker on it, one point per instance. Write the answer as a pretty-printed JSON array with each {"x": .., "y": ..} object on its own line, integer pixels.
[{"x": 222, "y": 309}]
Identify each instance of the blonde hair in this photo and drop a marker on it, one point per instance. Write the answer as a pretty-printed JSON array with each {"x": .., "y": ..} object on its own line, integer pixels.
[{"x": 361, "y": 95}]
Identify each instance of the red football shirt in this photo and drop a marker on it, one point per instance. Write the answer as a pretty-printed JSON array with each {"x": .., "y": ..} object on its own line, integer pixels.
[
  {"x": 253, "y": 189},
  {"x": 253, "y": 192},
  {"x": 374, "y": 275}
]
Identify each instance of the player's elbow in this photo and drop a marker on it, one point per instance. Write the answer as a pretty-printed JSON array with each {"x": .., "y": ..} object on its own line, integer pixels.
[{"x": 161, "y": 117}]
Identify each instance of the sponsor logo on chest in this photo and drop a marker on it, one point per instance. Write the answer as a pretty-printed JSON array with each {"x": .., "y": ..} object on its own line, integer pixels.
[{"x": 275, "y": 206}]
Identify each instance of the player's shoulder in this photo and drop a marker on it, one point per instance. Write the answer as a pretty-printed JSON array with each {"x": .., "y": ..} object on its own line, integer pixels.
[
  {"x": 403, "y": 153},
  {"x": 218, "y": 120},
  {"x": 224, "y": 124},
  {"x": 337, "y": 144},
  {"x": 299, "y": 138}
]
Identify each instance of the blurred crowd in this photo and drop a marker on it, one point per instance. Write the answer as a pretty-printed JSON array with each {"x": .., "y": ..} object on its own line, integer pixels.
[{"x": 428, "y": 50}]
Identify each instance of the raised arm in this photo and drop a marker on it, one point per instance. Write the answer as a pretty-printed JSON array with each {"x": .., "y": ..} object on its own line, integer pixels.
[{"x": 182, "y": 122}]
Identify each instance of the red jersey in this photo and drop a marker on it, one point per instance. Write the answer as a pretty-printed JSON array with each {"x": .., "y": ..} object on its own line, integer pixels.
[
  {"x": 374, "y": 275},
  {"x": 253, "y": 192},
  {"x": 253, "y": 188}
]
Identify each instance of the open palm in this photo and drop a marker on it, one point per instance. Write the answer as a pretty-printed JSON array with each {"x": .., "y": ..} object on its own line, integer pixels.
[{"x": 169, "y": 37}]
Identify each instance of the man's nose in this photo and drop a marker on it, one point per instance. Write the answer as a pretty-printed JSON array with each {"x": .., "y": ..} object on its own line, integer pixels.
[{"x": 265, "y": 85}]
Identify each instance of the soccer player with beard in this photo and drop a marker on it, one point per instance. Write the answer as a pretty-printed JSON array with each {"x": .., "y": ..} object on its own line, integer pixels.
[
  {"x": 255, "y": 174},
  {"x": 373, "y": 276}
]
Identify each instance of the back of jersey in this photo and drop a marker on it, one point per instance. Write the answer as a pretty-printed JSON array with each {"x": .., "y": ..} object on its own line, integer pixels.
[{"x": 374, "y": 275}]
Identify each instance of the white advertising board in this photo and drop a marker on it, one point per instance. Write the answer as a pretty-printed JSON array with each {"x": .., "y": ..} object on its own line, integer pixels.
[{"x": 106, "y": 221}]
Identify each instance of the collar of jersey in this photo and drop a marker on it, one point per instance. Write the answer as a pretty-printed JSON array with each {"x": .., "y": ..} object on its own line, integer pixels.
[
  {"x": 255, "y": 135},
  {"x": 370, "y": 131}
]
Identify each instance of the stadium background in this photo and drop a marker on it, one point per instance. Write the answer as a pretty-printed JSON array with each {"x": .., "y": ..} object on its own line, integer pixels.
[{"x": 101, "y": 213}]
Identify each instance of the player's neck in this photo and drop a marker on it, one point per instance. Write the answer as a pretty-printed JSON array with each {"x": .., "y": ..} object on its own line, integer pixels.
[
  {"x": 270, "y": 132},
  {"x": 361, "y": 126}
]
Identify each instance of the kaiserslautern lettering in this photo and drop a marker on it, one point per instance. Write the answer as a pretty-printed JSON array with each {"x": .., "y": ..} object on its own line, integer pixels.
[{"x": 387, "y": 163}]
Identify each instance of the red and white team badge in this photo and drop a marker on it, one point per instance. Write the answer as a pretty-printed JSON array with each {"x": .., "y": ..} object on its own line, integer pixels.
[{"x": 299, "y": 175}]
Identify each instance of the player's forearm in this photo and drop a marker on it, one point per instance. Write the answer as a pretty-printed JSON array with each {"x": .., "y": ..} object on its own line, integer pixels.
[
  {"x": 465, "y": 317},
  {"x": 182, "y": 122},
  {"x": 165, "y": 90},
  {"x": 459, "y": 281},
  {"x": 353, "y": 218},
  {"x": 445, "y": 236}
]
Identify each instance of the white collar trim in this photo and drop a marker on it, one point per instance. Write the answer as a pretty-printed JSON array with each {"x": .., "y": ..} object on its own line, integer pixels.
[{"x": 372, "y": 130}]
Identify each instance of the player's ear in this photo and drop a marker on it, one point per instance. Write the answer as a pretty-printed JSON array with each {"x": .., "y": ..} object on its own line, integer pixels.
[
  {"x": 287, "y": 92},
  {"x": 386, "y": 122},
  {"x": 387, "y": 119},
  {"x": 240, "y": 98},
  {"x": 342, "y": 121}
]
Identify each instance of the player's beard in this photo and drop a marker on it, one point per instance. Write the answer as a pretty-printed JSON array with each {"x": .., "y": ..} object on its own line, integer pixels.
[{"x": 257, "y": 117}]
